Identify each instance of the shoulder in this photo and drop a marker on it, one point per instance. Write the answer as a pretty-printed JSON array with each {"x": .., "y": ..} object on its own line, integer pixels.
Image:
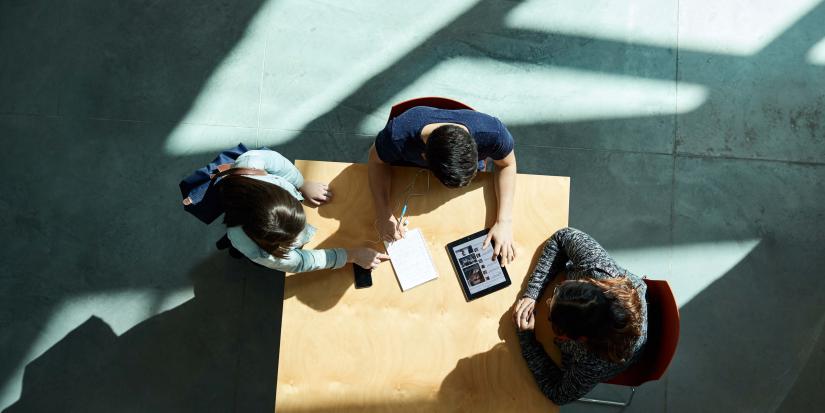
[
  {"x": 408, "y": 124},
  {"x": 255, "y": 158},
  {"x": 244, "y": 244},
  {"x": 417, "y": 116},
  {"x": 489, "y": 132}
]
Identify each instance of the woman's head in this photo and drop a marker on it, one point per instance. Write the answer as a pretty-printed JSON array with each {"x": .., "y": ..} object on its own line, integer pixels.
[
  {"x": 603, "y": 313},
  {"x": 267, "y": 213}
]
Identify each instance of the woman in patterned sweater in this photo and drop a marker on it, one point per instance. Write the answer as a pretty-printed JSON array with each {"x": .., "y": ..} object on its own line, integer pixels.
[{"x": 599, "y": 317}]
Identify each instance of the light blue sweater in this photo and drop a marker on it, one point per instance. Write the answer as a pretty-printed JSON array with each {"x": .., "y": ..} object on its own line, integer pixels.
[{"x": 284, "y": 174}]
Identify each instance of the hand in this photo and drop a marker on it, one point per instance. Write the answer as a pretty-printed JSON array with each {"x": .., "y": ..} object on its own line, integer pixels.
[
  {"x": 501, "y": 234},
  {"x": 366, "y": 257},
  {"x": 390, "y": 229},
  {"x": 524, "y": 315},
  {"x": 316, "y": 193}
]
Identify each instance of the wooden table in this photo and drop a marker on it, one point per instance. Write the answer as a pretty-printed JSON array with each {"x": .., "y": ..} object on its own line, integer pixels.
[{"x": 427, "y": 349}]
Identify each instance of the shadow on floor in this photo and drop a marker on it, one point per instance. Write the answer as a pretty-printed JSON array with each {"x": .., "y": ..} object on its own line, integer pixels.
[
  {"x": 96, "y": 209},
  {"x": 149, "y": 61},
  {"x": 216, "y": 352}
]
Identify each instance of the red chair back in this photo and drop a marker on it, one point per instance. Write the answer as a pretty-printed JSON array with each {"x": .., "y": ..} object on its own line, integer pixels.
[
  {"x": 662, "y": 337},
  {"x": 431, "y": 101}
]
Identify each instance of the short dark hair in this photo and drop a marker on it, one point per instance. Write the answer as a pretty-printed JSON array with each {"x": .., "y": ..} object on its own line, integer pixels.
[
  {"x": 267, "y": 213},
  {"x": 452, "y": 155},
  {"x": 606, "y": 312}
]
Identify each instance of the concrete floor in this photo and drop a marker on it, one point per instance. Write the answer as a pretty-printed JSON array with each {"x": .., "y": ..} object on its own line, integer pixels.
[{"x": 692, "y": 129}]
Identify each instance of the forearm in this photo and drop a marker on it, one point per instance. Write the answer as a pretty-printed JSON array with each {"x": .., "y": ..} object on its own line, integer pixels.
[
  {"x": 380, "y": 175},
  {"x": 549, "y": 264},
  {"x": 538, "y": 361},
  {"x": 545, "y": 372},
  {"x": 301, "y": 260},
  {"x": 559, "y": 384},
  {"x": 505, "y": 189}
]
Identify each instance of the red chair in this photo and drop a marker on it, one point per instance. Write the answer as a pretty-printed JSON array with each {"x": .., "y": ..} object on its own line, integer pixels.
[
  {"x": 431, "y": 101},
  {"x": 662, "y": 337}
]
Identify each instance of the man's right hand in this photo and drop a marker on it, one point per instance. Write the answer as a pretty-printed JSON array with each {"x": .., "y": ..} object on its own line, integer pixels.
[{"x": 390, "y": 230}]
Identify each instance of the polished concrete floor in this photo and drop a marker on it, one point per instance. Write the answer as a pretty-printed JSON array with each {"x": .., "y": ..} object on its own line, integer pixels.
[{"x": 693, "y": 131}]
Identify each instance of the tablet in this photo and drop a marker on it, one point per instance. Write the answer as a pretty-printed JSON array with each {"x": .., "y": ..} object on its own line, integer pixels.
[{"x": 477, "y": 273}]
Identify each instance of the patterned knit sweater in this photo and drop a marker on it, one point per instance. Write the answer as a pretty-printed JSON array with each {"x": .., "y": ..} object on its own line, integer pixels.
[{"x": 580, "y": 256}]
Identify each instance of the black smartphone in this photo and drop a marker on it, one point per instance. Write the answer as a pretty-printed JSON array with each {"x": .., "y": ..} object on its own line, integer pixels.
[{"x": 363, "y": 276}]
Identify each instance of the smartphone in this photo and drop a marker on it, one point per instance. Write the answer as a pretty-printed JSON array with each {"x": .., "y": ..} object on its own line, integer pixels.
[{"x": 363, "y": 276}]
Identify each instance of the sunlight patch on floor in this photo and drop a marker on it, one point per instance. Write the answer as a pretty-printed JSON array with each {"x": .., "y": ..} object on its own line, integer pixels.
[
  {"x": 535, "y": 94},
  {"x": 737, "y": 27},
  {"x": 313, "y": 55},
  {"x": 816, "y": 55},
  {"x": 694, "y": 267}
]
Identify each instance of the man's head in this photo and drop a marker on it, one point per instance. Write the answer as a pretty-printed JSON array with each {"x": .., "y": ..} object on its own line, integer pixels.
[{"x": 452, "y": 155}]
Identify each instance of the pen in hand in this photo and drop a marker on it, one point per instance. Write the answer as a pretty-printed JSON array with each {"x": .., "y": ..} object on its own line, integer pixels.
[{"x": 401, "y": 219}]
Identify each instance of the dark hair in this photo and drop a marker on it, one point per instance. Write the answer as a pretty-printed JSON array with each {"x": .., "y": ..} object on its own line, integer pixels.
[
  {"x": 267, "y": 213},
  {"x": 606, "y": 312},
  {"x": 452, "y": 155}
]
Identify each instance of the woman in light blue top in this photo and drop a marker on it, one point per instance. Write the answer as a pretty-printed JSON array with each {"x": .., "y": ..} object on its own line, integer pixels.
[{"x": 265, "y": 219}]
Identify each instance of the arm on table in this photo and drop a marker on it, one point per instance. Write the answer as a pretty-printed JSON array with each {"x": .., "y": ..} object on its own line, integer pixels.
[
  {"x": 502, "y": 231},
  {"x": 274, "y": 163},
  {"x": 380, "y": 177},
  {"x": 560, "y": 385},
  {"x": 301, "y": 260}
]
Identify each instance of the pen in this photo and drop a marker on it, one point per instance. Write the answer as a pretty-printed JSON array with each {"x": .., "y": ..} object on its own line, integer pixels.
[{"x": 403, "y": 211}]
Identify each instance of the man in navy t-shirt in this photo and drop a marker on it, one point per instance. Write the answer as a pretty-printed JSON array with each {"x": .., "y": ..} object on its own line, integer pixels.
[{"x": 453, "y": 145}]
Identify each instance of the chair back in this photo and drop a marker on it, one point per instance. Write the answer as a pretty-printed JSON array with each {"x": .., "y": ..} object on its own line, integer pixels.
[
  {"x": 662, "y": 337},
  {"x": 431, "y": 101}
]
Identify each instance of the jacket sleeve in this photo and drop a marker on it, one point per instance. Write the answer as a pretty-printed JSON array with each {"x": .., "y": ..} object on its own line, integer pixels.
[
  {"x": 564, "y": 384},
  {"x": 301, "y": 260}
]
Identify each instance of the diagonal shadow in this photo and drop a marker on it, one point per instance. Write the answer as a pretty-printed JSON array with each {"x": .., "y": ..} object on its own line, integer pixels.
[
  {"x": 90, "y": 202},
  {"x": 755, "y": 102},
  {"x": 102, "y": 48},
  {"x": 192, "y": 358},
  {"x": 481, "y": 33}
]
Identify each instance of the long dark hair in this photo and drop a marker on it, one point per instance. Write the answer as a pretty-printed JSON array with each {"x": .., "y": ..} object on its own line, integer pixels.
[
  {"x": 267, "y": 213},
  {"x": 607, "y": 313}
]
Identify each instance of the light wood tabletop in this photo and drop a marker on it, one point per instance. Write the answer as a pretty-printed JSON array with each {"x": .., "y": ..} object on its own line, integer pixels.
[{"x": 427, "y": 349}]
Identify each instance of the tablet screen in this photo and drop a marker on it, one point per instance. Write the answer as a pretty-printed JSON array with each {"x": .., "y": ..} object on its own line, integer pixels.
[{"x": 476, "y": 267}]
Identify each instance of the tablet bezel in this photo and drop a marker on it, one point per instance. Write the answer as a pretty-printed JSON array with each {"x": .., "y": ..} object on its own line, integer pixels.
[{"x": 457, "y": 268}]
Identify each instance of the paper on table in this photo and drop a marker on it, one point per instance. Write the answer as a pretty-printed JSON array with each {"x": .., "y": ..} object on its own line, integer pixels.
[{"x": 411, "y": 260}]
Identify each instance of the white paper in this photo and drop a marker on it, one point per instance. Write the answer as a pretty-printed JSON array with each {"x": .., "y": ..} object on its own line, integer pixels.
[{"x": 411, "y": 260}]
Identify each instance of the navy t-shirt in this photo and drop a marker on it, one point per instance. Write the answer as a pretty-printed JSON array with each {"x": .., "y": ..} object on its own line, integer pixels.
[{"x": 400, "y": 141}]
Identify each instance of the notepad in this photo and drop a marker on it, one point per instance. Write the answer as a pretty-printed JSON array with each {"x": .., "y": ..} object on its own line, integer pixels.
[{"x": 411, "y": 260}]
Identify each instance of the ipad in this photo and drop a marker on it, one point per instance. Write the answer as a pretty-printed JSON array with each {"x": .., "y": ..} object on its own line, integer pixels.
[{"x": 477, "y": 273}]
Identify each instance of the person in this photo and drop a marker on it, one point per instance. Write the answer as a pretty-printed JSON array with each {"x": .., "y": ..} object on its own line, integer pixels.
[
  {"x": 599, "y": 317},
  {"x": 453, "y": 145},
  {"x": 265, "y": 219}
]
